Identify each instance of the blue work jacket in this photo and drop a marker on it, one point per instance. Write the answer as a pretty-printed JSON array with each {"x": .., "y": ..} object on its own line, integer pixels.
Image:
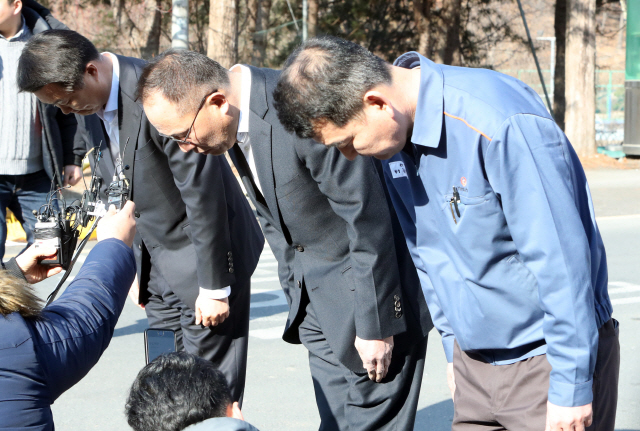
[
  {"x": 498, "y": 216},
  {"x": 40, "y": 358}
]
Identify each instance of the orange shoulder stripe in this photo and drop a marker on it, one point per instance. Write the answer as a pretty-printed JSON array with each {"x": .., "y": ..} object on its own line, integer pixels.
[{"x": 468, "y": 125}]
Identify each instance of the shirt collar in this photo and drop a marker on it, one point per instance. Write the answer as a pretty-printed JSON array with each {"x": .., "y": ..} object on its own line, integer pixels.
[
  {"x": 427, "y": 126},
  {"x": 112, "y": 104},
  {"x": 245, "y": 102}
]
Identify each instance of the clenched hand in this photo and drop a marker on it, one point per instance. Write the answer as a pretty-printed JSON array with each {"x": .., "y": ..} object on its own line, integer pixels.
[
  {"x": 376, "y": 356},
  {"x": 211, "y": 312}
]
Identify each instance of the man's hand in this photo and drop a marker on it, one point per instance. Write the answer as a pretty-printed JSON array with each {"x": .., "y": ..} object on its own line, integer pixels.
[
  {"x": 451, "y": 380},
  {"x": 120, "y": 225},
  {"x": 72, "y": 174},
  {"x": 134, "y": 292},
  {"x": 568, "y": 418},
  {"x": 211, "y": 312},
  {"x": 30, "y": 266},
  {"x": 376, "y": 356}
]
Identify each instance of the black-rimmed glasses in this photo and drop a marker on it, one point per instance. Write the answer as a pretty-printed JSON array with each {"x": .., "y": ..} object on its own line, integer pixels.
[{"x": 184, "y": 140}]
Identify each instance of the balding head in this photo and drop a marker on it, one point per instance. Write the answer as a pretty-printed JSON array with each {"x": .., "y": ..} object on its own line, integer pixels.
[
  {"x": 182, "y": 77},
  {"x": 324, "y": 80}
]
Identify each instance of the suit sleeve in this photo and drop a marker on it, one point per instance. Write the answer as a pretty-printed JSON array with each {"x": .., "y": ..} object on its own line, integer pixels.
[
  {"x": 84, "y": 317},
  {"x": 200, "y": 181},
  {"x": 356, "y": 195},
  {"x": 70, "y": 133},
  {"x": 529, "y": 166}
]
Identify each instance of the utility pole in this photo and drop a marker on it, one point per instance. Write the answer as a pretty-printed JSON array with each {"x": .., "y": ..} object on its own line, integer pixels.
[{"x": 180, "y": 24}]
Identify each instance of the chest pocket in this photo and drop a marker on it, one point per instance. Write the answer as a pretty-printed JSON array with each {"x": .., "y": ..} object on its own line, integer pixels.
[{"x": 456, "y": 206}]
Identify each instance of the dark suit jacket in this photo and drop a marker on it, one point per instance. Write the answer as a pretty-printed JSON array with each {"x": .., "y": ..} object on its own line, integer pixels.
[
  {"x": 42, "y": 358},
  {"x": 330, "y": 226},
  {"x": 60, "y": 146},
  {"x": 194, "y": 222}
]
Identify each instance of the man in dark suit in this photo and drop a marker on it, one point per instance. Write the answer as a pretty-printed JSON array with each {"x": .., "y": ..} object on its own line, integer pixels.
[
  {"x": 198, "y": 241},
  {"x": 354, "y": 296}
]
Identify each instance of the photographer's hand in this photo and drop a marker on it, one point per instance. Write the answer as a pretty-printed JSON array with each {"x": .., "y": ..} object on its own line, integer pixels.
[
  {"x": 211, "y": 312},
  {"x": 120, "y": 225},
  {"x": 33, "y": 270},
  {"x": 72, "y": 175}
]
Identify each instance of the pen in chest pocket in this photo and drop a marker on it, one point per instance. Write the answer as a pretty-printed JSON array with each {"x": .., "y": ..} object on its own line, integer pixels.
[{"x": 455, "y": 199}]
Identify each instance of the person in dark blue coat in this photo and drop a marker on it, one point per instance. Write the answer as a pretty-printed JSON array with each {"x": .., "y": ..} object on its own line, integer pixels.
[{"x": 45, "y": 351}]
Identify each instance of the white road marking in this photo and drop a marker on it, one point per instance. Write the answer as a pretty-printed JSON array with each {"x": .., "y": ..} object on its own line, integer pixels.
[
  {"x": 620, "y": 301},
  {"x": 267, "y": 334}
]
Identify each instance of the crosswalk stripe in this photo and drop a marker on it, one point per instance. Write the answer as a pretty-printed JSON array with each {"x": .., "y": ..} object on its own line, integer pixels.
[
  {"x": 267, "y": 334},
  {"x": 621, "y": 301}
]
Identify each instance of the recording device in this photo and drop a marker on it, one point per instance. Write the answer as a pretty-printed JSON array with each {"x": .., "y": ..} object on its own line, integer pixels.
[
  {"x": 60, "y": 227},
  {"x": 158, "y": 342}
]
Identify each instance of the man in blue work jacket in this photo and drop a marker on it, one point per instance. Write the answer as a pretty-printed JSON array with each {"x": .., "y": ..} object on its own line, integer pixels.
[{"x": 497, "y": 213}]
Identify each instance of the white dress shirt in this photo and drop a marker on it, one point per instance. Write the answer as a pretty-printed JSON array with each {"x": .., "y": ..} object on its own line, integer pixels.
[
  {"x": 109, "y": 114},
  {"x": 242, "y": 135}
]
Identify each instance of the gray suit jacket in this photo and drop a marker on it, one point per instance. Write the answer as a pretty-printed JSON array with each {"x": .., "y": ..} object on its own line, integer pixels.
[
  {"x": 194, "y": 222},
  {"x": 329, "y": 224}
]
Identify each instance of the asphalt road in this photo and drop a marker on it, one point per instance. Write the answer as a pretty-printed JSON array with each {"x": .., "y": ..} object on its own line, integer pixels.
[{"x": 279, "y": 391}]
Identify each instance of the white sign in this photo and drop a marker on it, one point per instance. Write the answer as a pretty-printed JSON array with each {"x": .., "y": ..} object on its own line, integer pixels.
[{"x": 397, "y": 169}]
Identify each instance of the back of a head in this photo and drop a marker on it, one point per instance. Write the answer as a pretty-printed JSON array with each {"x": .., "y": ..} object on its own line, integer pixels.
[
  {"x": 325, "y": 79},
  {"x": 183, "y": 77},
  {"x": 17, "y": 296},
  {"x": 55, "y": 57},
  {"x": 174, "y": 391}
]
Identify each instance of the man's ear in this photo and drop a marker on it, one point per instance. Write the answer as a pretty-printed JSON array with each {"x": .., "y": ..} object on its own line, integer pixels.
[
  {"x": 374, "y": 99},
  {"x": 221, "y": 101},
  {"x": 233, "y": 411},
  {"x": 17, "y": 7}
]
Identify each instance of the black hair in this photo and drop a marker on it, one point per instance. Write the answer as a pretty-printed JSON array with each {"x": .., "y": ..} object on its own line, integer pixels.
[
  {"x": 325, "y": 79},
  {"x": 181, "y": 76},
  {"x": 55, "y": 57},
  {"x": 174, "y": 391}
]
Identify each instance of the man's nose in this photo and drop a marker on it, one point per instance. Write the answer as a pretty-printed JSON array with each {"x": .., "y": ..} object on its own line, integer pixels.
[
  {"x": 65, "y": 110},
  {"x": 186, "y": 147}
]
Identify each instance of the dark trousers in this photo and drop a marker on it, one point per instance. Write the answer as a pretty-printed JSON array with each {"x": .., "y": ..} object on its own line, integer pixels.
[
  {"x": 22, "y": 194},
  {"x": 351, "y": 401},
  {"x": 514, "y": 397},
  {"x": 225, "y": 345}
]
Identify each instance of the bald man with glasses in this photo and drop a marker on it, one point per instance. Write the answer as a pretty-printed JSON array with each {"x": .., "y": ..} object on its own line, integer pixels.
[{"x": 198, "y": 240}]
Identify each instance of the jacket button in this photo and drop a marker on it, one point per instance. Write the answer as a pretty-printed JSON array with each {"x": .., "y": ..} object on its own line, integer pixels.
[
  {"x": 398, "y": 314},
  {"x": 140, "y": 246},
  {"x": 396, "y": 298},
  {"x": 126, "y": 167},
  {"x": 299, "y": 284},
  {"x": 300, "y": 248},
  {"x": 230, "y": 264},
  {"x": 137, "y": 214},
  {"x": 229, "y": 254},
  {"x": 230, "y": 270}
]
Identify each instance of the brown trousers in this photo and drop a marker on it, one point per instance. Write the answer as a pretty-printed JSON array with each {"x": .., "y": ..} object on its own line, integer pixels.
[{"x": 514, "y": 397}]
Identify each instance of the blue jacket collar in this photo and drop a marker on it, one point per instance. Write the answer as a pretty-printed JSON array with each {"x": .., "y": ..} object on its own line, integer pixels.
[{"x": 427, "y": 126}]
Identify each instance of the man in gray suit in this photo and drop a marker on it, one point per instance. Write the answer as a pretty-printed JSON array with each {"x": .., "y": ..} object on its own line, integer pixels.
[
  {"x": 198, "y": 241},
  {"x": 354, "y": 296}
]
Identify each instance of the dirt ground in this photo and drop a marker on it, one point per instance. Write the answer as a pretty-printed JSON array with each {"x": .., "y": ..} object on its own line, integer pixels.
[{"x": 600, "y": 161}]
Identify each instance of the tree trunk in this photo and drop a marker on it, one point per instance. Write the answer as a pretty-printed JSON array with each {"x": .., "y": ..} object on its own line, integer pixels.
[
  {"x": 223, "y": 32},
  {"x": 422, "y": 16},
  {"x": 560, "y": 24},
  {"x": 580, "y": 76},
  {"x": 259, "y": 54},
  {"x": 448, "y": 31},
  {"x": 247, "y": 32},
  {"x": 312, "y": 18},
  {"x": 151, "y": 45}
]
